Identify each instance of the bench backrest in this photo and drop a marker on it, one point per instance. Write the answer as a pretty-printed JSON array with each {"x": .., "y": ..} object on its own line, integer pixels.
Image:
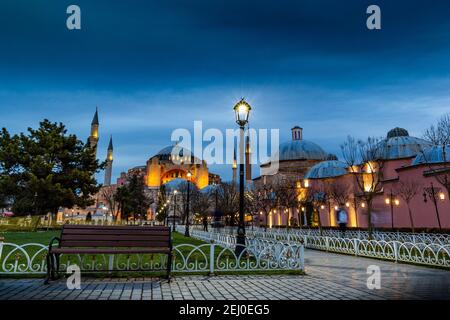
[{"x": 115, "y": 236}]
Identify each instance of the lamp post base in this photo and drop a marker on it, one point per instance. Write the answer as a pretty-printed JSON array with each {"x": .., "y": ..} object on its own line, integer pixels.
[
  {"x": 240, "y": 241},
  {"x": 186, "y": 231}
]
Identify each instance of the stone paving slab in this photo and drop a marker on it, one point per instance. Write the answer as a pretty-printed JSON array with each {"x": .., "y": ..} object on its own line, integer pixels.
[{"x": 329, "y": 277}]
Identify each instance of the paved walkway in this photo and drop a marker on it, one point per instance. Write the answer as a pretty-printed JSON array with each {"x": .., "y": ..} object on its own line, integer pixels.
[{"x": 329, "y": 276}]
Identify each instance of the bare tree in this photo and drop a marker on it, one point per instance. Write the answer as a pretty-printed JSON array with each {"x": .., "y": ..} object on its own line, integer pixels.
[
  {"x": 339, "y": 191},
  {"x": 316, "y": 195},
  {"x": 439, "y": 136},
  {"x": 108, "y": 193},
  {"x": 228, "y": 200},
  {"x": 287, "y": 194},
  {"x": 264, "y": 200},
  {"x": 407, "y": 190},
  {"x": 200, "y": 203},
  {"x": 364, "y": 160}
]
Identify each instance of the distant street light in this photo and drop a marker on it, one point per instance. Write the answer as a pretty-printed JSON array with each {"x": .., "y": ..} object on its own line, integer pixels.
[
  {"x": 390, "y": 201},
  {"x": 186, "y": 231},
  {"x": 174, "y": 208}
]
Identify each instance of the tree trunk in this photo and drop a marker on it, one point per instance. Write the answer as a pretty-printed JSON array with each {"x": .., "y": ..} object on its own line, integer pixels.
[
  {"x": 319, "y": 221},
  {"x": 411, "y": 218},
  {"x": 369, "y": 219}
]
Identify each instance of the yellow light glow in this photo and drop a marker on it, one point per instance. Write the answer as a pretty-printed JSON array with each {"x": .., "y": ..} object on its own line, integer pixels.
[
  {"x": 441, "y": 196},
  {"x": 303, "y": 208},
  {"x": 363, "y": 205},
  {"x": 336, "y": 207},
  {"x": 322, "y": 207},
  {"x": 347, "y": 205},
  {"x": 397, "y": 202},
  {"x": 242, "y": 108},
  {"x": 306, "y": 183},
  {"x": 387, "y": 201}
]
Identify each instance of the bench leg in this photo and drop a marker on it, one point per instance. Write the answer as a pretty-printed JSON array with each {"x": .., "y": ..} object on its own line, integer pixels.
[
  {"x": 169, "y": 266},
  {"x": 57, "y": 265},
  {"x": 49, "y": 268},
  {"x": 53, "y": 263}
]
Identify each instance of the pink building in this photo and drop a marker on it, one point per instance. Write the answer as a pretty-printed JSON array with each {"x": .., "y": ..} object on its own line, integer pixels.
[{"x": 410, "y": 191}]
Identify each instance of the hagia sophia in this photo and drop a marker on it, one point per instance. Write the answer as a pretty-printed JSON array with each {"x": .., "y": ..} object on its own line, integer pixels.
[{"x": 405, "y": 159}]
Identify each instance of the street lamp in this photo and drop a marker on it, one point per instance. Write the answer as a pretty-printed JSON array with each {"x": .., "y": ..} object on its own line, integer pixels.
[
  {"x": 242, "y": 111},
  {"x": 174, "y": 208},
  {"x": 186, "y": 230},
  {"x": 391, "y": 201}
]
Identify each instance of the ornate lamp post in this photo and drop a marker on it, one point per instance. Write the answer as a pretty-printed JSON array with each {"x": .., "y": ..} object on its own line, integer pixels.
[
  {"x": 242, "y": 111},
  {"x": 186, "y": 230},
  {"x": 174, "y": 208},
  {"x": 390, "y": 201},
  {"x": 434, "y": 194}
]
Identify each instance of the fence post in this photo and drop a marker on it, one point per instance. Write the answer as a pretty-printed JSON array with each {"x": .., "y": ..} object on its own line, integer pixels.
[
  {"x": 355, "y": 244},
  {"x": 211, "y": 258},
  {"x": 395, "y": 251},
  {"x": 1, "y": 247},
  {"x": 326, "y": 244},
  {"x": 111, "y": 263},
  {"x": 302, "y": 257}
]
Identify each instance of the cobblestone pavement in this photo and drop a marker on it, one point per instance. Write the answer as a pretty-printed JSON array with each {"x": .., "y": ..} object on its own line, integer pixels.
[{"x": 329, "y": 276}]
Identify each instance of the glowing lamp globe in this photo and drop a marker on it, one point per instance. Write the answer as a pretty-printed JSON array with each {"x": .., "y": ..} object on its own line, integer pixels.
[{"x": 242, "y": 111}]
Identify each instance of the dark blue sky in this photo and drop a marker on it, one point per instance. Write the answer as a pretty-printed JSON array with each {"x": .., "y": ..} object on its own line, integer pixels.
[{"x": 154, "y": 66}]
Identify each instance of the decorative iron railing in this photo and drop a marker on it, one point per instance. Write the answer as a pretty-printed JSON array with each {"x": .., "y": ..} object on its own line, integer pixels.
[
  {"x": 210, "y": 258},
  {"x": 285, "y": 234},
  {"x": 426, "y": 252}
]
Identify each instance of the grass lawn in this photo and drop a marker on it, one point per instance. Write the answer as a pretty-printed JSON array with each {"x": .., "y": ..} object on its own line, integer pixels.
[{"x": 44, "y": 237}]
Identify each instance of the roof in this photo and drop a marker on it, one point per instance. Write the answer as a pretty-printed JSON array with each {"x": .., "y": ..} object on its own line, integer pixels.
[
  {"x": 398, "y": 145},
  {"x": 110, "y": 146},
  {"x": 175, "y": 150},
  {"x": 301, "y": 150},
  {"x": 434, "y": 154},
  {"x": 327, "y": 169},
  {"x": 95, "y": 119}
]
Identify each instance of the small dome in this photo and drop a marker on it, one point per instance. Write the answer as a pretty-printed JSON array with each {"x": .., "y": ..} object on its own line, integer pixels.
[
  {"x": 399, "y": 145},
  {"x": 301, "y": 150},
  {"x": 397, "y": 132},
  {"x": 327, "y": 169},
  {"x": 434, "y": 154}
]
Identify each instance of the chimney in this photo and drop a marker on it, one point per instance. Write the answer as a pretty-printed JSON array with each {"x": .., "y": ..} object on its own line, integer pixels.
[{"x": 297, "y": 133}]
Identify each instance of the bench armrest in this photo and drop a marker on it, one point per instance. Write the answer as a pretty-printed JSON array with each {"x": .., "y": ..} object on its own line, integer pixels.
[{"x": 52, "y": 241}]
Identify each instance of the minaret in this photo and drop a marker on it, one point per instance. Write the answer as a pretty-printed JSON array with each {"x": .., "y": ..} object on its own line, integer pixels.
[
  {"x": 248, "y": 157},
  {"x": 93, "y": 138},
  {"x": 109, "y": 162},
  {"x": 234, "y": 166}
]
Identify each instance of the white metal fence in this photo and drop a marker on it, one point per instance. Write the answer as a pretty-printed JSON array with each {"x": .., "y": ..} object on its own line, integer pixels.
[
  {"x": 218, "y": 255},
  {"x": 427, "y": 249}
]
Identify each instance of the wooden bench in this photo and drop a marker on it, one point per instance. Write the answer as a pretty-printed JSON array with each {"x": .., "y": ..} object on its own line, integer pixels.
[{"x": 79, "y": 239}]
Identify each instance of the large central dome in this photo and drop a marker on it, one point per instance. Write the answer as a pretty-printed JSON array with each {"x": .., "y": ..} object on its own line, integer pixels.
[{"x": 176, "y": 152}]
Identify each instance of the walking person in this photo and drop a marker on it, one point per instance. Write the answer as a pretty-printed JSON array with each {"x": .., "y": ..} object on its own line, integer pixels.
[
  {"x": 342, "y": 218},
  {"x": 205, "y": 224}
]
